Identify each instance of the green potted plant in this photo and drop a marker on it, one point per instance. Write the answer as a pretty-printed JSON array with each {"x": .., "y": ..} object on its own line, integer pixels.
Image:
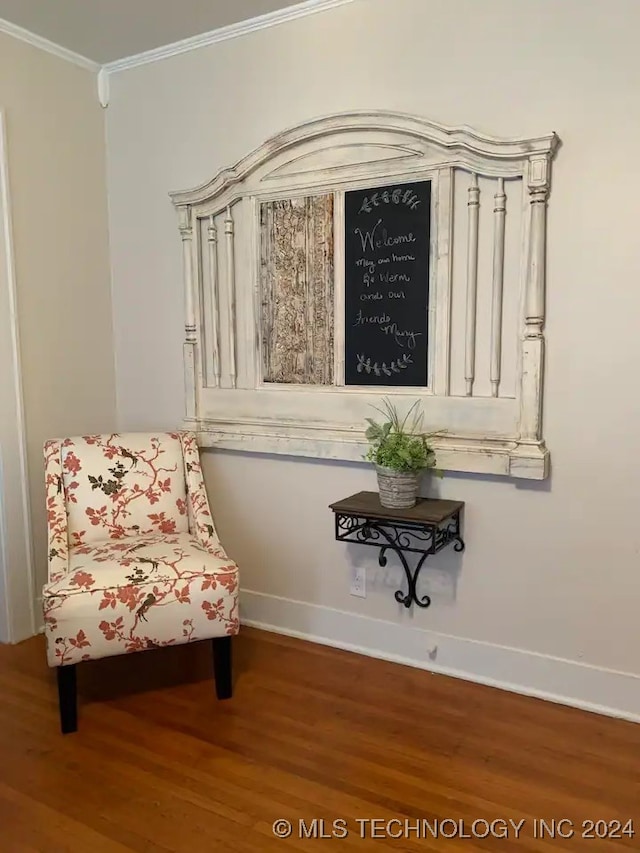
[{"x": 400, "y": 451}]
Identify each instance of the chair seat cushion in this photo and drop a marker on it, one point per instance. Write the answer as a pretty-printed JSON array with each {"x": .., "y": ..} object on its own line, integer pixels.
[{"x": 139, "y": 593}]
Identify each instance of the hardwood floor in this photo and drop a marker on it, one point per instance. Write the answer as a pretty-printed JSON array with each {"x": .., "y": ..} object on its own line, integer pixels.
[{"x": 159, "y": 764}]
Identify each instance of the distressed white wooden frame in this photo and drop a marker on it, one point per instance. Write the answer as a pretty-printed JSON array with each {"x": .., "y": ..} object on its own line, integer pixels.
[{"x": 226, "y": 401}]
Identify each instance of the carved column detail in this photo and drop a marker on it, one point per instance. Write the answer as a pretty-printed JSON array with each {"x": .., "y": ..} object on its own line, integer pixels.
[
  {"x": 534, "y": 307},
  {"x": 472, "y": 283},
  {"x": 186, "y": 232},
  {"x": 231, "y": 297},
  {"x": 499, "y": 212},
  {"x": 212, "y": 239},
  {"x": 190, "y": 343},
  {"x": 442, "y": 350}
]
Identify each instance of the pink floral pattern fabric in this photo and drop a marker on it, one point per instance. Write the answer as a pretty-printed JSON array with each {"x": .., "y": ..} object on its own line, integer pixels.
[
  {"x": 123, "y": 485},
  {"x": 134, "y": 558}
]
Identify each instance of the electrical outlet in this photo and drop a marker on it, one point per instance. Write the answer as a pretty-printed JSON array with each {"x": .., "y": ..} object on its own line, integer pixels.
[{"x": 358, "y": 581}]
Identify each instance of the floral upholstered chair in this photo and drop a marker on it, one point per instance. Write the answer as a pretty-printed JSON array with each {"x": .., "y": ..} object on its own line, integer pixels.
[{"x": 134, "y": 559}]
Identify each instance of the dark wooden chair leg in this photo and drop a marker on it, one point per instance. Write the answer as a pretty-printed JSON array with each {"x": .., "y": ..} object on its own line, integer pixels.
[
  {"x": 222, "y": 666},
  {"x": 67, "y": 698}
]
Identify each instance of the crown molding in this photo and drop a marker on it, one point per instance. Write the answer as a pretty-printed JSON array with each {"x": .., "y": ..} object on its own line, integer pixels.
[
  {"x": 48, "y": 46},
  {"x": 280, "y": 16},
  {"x": 261, "y": 22},
  {"x": 103, "y": 87}
]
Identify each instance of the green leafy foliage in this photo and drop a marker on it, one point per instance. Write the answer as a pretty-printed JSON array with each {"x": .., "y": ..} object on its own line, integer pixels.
[{"x": 400, "y": 443}]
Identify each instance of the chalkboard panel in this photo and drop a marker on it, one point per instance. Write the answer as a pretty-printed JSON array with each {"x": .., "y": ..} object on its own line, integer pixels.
[{"x": 387, "y": 285}]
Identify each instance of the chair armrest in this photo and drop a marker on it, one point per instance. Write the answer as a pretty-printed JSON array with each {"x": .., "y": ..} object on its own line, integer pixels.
[{"x": 200, "y": 518}]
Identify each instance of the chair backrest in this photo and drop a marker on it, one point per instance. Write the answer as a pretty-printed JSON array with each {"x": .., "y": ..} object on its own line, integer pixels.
[{"x": 122, "y": 485}]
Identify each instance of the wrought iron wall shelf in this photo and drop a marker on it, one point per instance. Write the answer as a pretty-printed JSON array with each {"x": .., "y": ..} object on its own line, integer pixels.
[{"x": 424, "y": 529}]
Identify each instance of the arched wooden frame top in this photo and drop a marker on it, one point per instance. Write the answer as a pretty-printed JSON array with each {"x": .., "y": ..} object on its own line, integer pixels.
[{"x": 486, "y": 292}]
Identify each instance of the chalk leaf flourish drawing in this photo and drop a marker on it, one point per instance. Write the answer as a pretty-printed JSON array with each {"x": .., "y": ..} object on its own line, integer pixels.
[
  {"x": 395, "y": 366},
  {"x": 396, "y": 196}
]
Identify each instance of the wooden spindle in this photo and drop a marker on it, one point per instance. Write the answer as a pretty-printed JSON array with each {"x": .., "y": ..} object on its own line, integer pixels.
[
  {"x": 189, "y": 354},
  {"x": 499, "y": 212},
  {"x": 231, "y": 297},
  {"x": 473, "y": 205},
  {"x": 212, "y": 235},
  {"x": 440, "y": 380},
  {"x": 186, "y": 233},
  {"x": 534, "y": 308}
]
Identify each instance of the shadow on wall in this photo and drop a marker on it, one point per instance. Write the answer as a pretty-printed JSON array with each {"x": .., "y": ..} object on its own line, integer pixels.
[
  {"x": 431, "y": 486},
  {"x": 440, "y": 573},
  {"x": 438, "y": 577}
]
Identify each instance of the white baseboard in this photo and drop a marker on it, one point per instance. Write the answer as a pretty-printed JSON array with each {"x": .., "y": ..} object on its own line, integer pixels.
[{"x": 602, "y": 691}]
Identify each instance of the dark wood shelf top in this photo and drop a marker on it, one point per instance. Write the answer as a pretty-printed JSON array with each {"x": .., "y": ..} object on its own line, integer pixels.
[{"x": 426, "y": 510}]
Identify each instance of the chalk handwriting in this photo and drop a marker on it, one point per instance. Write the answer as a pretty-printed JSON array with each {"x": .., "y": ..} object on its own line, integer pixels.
[
  {"x": 393, "y": 277},
  {"x": 401, "y": 335},
  {"x": 379, "y": 319},
  {"x": 398, "y": 258},
  {"x": 369, "y": 265},
  {"x": 371, "y": 240}
]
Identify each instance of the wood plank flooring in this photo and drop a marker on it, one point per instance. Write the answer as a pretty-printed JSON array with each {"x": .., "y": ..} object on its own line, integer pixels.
[{"x": 158, "y": 764}]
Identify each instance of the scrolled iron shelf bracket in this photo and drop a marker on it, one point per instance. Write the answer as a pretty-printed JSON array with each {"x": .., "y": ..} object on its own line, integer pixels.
[{"x": 434, "y": 525}]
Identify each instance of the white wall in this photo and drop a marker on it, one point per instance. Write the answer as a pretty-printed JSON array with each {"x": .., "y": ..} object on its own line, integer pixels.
[
  {"x": 57, "y": 181},
  {"x": 16, "y": 554},
  {"x": 550, "y": 569}
]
